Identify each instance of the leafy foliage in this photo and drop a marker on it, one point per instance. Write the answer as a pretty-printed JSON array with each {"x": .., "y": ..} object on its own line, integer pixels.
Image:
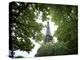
[
  {"x": 65, "y": 16},
  {"x": 23, "y": 25},
  {"x": 67, "y": 20},
  {"x": 53, "y": 49}
]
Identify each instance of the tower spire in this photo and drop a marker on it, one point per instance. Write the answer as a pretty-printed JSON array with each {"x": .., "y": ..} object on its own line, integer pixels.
[
  {"x": 48, "y": 29},
  {"x": 48, "y": 36}
]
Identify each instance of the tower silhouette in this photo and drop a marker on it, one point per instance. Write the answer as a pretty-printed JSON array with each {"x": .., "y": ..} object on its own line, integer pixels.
[{"x": 48, "y": 36}]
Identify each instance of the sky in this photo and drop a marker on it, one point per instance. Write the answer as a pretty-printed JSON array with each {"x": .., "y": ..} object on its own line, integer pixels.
[{"x": 53, "y": 28}]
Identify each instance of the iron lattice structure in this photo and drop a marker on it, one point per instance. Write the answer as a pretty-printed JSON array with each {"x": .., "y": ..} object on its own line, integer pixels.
[{"x": 48, "y": 36}]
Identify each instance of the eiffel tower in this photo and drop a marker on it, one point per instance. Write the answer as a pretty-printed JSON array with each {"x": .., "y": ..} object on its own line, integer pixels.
[{"x": 48, "y": 36}]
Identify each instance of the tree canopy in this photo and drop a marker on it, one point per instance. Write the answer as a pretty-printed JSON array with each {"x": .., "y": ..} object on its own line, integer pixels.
[
  {"x": 66, "y": 17},
  {"x": 23, "y": 24}
]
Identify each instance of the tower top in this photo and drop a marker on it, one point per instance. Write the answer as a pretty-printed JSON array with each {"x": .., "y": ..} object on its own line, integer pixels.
[{"x": 48, "y": 29}]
